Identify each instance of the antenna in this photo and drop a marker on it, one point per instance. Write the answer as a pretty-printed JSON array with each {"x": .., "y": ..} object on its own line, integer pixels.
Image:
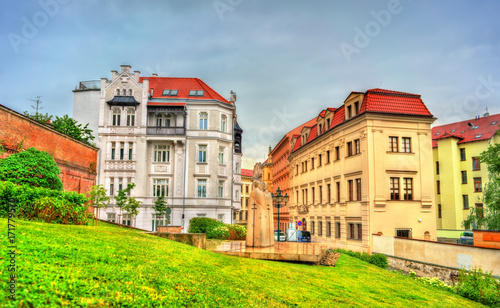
[
  {"x": 38, "y": 103},
  {"x": 379, "y": 84}
]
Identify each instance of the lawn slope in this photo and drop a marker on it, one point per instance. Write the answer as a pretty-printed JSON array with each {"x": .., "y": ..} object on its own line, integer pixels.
[{"x": 107, "y": 265}]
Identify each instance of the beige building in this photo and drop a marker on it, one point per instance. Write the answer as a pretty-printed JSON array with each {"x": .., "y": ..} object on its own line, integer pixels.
[
  {"x": 364, "y": 169},
  {"x": 246, "y": 188}
]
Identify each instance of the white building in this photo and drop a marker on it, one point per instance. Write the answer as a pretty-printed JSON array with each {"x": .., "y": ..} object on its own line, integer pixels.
[{"x": 173, "y": 137}]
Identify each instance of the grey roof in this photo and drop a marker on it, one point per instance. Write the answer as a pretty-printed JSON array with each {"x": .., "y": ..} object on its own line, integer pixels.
[
  {"x": 237, "y": 127},
  {"x": 123, "y": 101}
]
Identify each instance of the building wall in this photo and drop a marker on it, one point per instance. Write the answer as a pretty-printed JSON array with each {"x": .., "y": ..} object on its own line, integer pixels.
[
  {"x": 246, "y": 189},
  {"x": 452, "y": 190},
  {"x": 374, "y": 166},
  {"x": 77, "y": 161},
  {"x": 86, "y": 106}
]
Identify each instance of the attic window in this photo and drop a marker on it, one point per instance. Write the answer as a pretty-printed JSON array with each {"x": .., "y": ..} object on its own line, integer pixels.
[
  {"x": 437, "y": 133},
  {"x": 462, "y": 132},
  {"x": 478, "y": 136},
  {"x": 453, "y": 130},
  {"x": 196, "y": 93},
  {"x": 494, "y": 123},
  {"x": 170, "y": 92}
]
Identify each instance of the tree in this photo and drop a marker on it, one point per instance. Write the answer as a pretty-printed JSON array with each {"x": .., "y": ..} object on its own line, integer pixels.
[
  {"x": 33, "y": 167},
  {"x": 132, "y": 207},
  {"x": 98, "y": 199},
  {"x": 488, "y": 218},
  {"x": 122, "y": 197},
  {"x": 70, "y": 127},
  {"x": 39, "y": 117},
  {"x": 160, "y": 206}
]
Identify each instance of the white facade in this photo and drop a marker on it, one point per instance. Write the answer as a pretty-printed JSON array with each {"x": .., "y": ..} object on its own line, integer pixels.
[{"x": 174, "y": 145}]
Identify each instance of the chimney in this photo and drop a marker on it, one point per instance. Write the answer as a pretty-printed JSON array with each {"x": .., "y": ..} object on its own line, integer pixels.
[
  {"x": 136, "y": 75},
  {"x": 113, "y": 75},
  {"x": 155, "y": 75}
]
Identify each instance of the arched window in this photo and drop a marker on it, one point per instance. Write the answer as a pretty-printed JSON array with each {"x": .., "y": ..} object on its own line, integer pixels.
[
  {"x": 116, "y": 116},
  {"x": 130, "y": 117},
  {"x": 124, "y": 92},
  {"x": 130, "y": 93},
  {"x": 169, "y": 120},
  {"x": 118, "y": 92},
  {"x": 160, "y": 120}
]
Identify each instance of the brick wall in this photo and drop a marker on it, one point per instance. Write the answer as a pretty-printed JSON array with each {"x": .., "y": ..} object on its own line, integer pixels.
[{"x": 76, "y": 160}]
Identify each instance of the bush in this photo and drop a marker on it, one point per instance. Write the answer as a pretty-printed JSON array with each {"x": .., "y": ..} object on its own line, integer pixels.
[
  {"x": 479, "y": 286},
  {"x": 237, "y": 232},
  {"x": 379, "y": 260},
  {"x": 203, "y": 225},
  {"x": 36, "y": 203},
  {"x": 220, "y": 232}
]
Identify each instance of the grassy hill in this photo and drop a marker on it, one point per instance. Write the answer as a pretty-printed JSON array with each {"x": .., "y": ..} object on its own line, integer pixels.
[{"x": 103, "y": 266}]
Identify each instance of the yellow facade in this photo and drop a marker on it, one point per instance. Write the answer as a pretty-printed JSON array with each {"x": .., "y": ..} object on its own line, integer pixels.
[
  {"x": 343, "y": 194},
  {"x": 267, "y": 172},
  {"x": 246, "y": 189},
  {"x": 457, "y": 193}
]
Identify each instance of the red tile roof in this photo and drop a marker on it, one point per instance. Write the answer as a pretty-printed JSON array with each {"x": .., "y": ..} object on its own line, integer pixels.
[
  {"x": 184, "y": 85},
  {"x": 482, "y": 129},
  {"x": 386, "y": 101},
  {"x": 297, "y": 143},
  {"x": 246, "y": 172},
  {"x": 313, "y": 134}
]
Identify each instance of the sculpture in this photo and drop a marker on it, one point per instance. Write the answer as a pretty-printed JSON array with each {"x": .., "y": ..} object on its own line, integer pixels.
[{"x": 260, "y": 231}]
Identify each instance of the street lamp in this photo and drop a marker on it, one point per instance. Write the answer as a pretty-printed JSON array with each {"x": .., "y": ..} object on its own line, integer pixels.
[{"x": 277, "y": 199}]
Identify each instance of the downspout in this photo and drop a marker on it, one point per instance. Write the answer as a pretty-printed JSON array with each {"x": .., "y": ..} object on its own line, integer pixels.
[{"x": 185, "y": 172}]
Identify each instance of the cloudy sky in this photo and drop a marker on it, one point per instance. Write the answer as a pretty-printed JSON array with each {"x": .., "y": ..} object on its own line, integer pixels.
[{"x": 286, "y": 60}]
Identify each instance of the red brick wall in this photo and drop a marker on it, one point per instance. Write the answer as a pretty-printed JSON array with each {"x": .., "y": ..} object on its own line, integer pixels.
[{"x": 76, "y": 160}]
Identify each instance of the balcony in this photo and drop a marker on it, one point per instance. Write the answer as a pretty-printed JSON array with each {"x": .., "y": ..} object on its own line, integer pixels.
[{"x": 166, "y": 131}]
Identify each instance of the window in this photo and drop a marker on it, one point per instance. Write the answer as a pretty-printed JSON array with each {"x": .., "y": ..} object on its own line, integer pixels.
[
  {"x": 403, "y": 233},
  {"x": 320, "y": 194},
  {"x": 337, "y": 153},
  {"x": 327, "y": 157},
  {"x": 124, "y": 92},
  {"x": 126, "y": 219},
  {"x": 116, "y": 117},
  {"x": 170, "y": 92},
  {"x": 312, "y": 163},
  {"x": 130, "y": 151},
  {"x": 306, "y": 165},
  {"x": 476, "y": 165},
  {"x": 349, "y": 148},
  {"x": 394, "y": 187},
  {"x": 201, "y": 215},
  {"x": 328, "y": 192},
  {"x": 349, "y": 112},
  {"x": 120, "y": 184},
  {"x": 296, "y": 169},
  {"x": 223, "y": 123},
  {"x": 319, "y": 130},
  {"x": 122, "y": 150},
  {"x": 111, "y": 217},
  {"x": 202, "y": 154},
  {"x": 160, "y": 120},
  {"x": 356, "y": 108},
  {"x": 438, "y": 187},
  {"x": 358, "y": 189},
  {"x": 351, "y": 234},
  {"x": 168, "y": 121},
  {"x": 464, "y": 177},
  {"x": 350, "y": 185},
  {"x": 408, "y": 188},
  {"x": 338, "y": 191},
  {"x": 203, "y": 120},
  {"x": 302, "y": 167},
  {"x": 221, "y": 156},
  {"x": 113, "y": 150},
  {"x": 111, "y": 186},
  {"x": 393, "y": 144},
  {"x": 157, "y": 221},
  {"x": 117, "y": 92},
  {"x": 202, "y": 188},
  {"x": 220, "y": 217},
  {"x": 437, "y": 167},
  {"x": 246, "y": 188},
  {"x": 337, "y": 229},
  {"x": 319, "y": 160},
  {"x": 440, "y": 214},
  {"x": 328, "y": 229},
  {"x": 327, "y": 124},
  {"x": 162, "y": 153},
  {"x": 406, "y": 144},
  {"x": 320, "y": 227},
  {"x": 479, "y": 210},
  {"x": 313, "y": 189},
  {"x": 357, "y": 148},
  {"x": 465, "y": 202},
  {"x": 220, "y": 192},
  {"x": 462, "y": 154},
  {"x": 478, "y": 187},
  {"x": 306, "y": 196},
  {"x": 360, "y": 232},
  {"x": 130, "y": 117},
  {"x": 160, "y": 187},
  {"x": 196, "y": 93}
]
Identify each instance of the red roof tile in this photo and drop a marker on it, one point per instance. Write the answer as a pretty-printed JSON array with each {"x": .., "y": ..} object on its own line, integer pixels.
[
  {"x": 338, "y": 117},
  {"x": 322, "y": 113},
  {"x": 297, "y": 143},
  {"x": 313, "y": 134},
  {"x": 246, "y": 172},
  {"x": 184, "y": 85},
  {"x": 482, "y": 129},
  {"x": 386, "y": 101}
]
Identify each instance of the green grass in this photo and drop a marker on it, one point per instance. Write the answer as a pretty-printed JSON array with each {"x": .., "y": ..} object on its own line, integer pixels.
[{"x": 73, "y": 266}]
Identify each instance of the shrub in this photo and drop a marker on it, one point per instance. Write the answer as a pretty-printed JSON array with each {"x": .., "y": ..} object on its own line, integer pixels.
[
  {"x": 203, "y": 225},
  {"x": 237, "y": 232},
  {"x": 220, "y": 232},
  {"x": 59, "y": 211},
  {"x": 379, "y": 260},
  {"x": 479, "y": 286}
]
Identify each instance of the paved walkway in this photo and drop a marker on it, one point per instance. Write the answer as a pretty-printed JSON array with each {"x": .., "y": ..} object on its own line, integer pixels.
[{"x": 282, "y": 251}]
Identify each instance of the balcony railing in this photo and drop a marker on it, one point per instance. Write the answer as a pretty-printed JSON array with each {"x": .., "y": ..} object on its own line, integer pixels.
[{"x": 172, "y": 131}]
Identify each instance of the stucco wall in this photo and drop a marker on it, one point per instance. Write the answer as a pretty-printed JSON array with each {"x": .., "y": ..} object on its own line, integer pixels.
[{"x": 77, "y": 161}]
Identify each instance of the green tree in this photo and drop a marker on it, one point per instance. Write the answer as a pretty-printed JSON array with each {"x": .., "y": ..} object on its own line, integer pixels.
[
  {"x": 132, "y": 207},
  {"x": 72, "y": 128},
  {"x": 160, "y": 206},
  {"x": 488, "y": 218},
  {"x": 33, "y": 167},
  {"x": 98, "y": 199},
  {"x": 122, "y": 197},
  {"x": 39, "y": 117}
]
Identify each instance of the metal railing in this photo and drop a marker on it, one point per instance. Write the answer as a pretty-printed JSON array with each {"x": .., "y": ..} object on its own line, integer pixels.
[{"x": 153, "y": 130}]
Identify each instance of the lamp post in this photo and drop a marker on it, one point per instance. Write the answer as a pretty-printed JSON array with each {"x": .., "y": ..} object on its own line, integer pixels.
[
  {"x": 253, "y": 227},
  {"x": 277, "y": 199}
]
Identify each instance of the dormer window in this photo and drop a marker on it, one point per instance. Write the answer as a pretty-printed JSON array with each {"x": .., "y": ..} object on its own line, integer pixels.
[
  {"x": 327, "y": 123},
  {"x": 196, "y": 93},
  {"x": 453, "y": 130},
  {"x": 356, "y": 108},
  {"x": 494, "y": 123},
  {"x": 319, "y": 129},
  {"x": 349, "y": 112},
  {"x": 170, "y": 92}
]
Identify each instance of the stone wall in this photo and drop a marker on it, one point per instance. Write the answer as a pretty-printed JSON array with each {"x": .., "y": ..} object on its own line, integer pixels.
[
  {"x": 446, "y": 274},
  {"x": 170, "y": 229},
  {"x": 198, "y": 240},
  {"x": 77, "y": 160}
]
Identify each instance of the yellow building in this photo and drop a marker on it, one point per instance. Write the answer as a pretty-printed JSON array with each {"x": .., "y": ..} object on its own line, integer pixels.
[
  {"x": 363, "y": 169},
  {"x": 459, "y": 177},
  {"x": 246, "y": 189},
  {"x": 267, "y": 171}
]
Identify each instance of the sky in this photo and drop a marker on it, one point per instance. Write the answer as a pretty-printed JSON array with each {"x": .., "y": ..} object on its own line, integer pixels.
[{"x": 286, "y": 60}]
